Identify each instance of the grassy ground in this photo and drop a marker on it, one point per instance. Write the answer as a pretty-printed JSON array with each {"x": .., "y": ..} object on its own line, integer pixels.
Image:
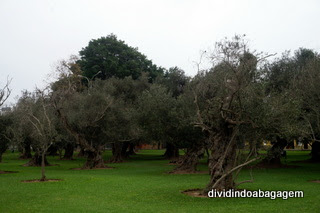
[{"x": 141, "y": 185}]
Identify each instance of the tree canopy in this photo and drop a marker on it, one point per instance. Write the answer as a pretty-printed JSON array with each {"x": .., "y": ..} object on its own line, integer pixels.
[{"x": 108, "y": 57}]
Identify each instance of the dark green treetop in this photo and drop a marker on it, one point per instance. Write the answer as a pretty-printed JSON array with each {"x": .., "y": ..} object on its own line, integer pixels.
[{"x": 108, "y": 56}]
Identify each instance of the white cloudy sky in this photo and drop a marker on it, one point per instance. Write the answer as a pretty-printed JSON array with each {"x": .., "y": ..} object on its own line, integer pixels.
[{"x": 37, "y": 33}]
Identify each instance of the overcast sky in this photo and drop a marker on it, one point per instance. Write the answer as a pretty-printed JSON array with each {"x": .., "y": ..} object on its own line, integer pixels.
[{"x": 36, "y": 34}]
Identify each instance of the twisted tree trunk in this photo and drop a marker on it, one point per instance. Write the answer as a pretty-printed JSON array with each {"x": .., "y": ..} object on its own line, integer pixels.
[
  {"x": 222, "y": 160},
  {"x": 94, "y": 160},
  {"x": 188, "y": 163},
  {"x": 119, "y": 150}
]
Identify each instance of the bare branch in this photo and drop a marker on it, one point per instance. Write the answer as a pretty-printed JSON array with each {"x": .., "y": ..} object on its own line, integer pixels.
[{"x": 5, "y": 92}]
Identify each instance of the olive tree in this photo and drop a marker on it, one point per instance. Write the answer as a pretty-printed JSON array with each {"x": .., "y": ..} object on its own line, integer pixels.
[
  {"x": 221, "y": 97},
  {"x": 306, "y": 88},
  {"x": 158, "y": 117},
  {"x": 39, "y": 116},
  {"x": 122, "y": 129},
  {"x": 83, "y": 114}
]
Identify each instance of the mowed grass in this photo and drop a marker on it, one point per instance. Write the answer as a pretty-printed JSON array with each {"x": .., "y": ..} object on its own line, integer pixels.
[{"x": 142, "y": 185}]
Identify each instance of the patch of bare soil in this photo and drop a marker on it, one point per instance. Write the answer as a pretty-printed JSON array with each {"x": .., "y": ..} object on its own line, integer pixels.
[
  {"x": 188, "y": 172},
  {"x": 314, "y": 181},
  {"x": 40, "y": 181},
  {"x": 7, "y": 172},
  {"x": 107, "y": 167},
  {"x": 194, "y": 193}
]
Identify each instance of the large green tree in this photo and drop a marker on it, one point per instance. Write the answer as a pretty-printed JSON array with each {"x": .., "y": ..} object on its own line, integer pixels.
[{"x": 108, "y": 56}]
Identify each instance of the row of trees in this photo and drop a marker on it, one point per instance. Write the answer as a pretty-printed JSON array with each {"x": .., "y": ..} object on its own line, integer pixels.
[{"x": 114, "y": 95}]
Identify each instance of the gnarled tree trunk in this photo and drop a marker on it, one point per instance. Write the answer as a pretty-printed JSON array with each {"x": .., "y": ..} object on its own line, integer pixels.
[
  {"x": 119, "y": 150},
  {"x": 189, "y": 161},
  {"x": 94, "y": 160},
  {"x": 93, "y": 154},
  {"x": 222, "y": 160}
]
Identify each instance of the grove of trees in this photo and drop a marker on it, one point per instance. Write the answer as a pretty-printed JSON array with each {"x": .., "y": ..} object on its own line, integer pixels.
[{"x": 113, "y": 96}]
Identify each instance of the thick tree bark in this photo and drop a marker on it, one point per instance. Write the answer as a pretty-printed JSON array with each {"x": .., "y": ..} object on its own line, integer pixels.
[
  {"x": 172, "y": 152},
  {"x": 222, "y": 160},
  {"x": 68, "y": 151},
  {"x": 118, "y": 152},
  {"x": 36, "y": 160},
  {"x": 315, "y": 151},
  {"x": 94, "y": 160},
  {"x": 189, "y": 161}
]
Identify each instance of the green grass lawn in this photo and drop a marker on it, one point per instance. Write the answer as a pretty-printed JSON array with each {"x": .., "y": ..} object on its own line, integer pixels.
[{"x": 142, "y": 185}]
